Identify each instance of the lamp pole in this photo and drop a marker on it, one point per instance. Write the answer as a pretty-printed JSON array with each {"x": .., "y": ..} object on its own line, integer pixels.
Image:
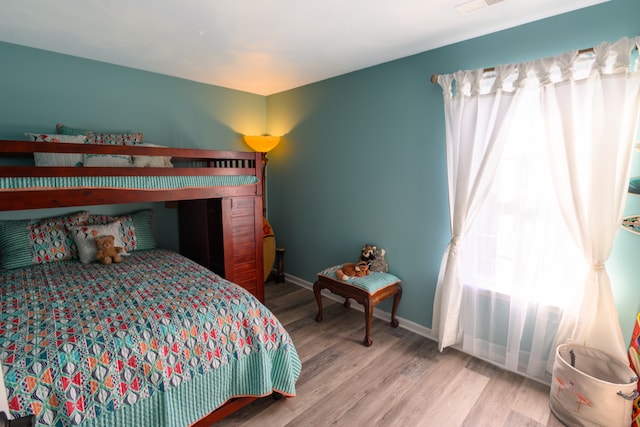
[
  {"x": 262, "y": 144},
  {"x": 264, "y": 184}
]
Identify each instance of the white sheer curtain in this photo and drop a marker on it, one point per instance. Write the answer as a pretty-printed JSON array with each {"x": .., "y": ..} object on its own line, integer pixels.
[
  {"x": 512, "y": 266},
  {"x": 590, "y": 112},
  {"x": 474, "y": 116},
  {"x": 519, "y": 259}
]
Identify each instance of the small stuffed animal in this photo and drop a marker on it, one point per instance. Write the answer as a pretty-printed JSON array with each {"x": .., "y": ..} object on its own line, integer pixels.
[
  {"x": 368, "y": 253},
  {"x": 351, "y": 269},
  {"x": 379, "y": 264},
  {"x": 107, "y": 252}
]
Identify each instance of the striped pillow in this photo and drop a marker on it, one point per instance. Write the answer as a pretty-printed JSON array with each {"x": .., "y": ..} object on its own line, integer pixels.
[
  {"x": 143, "y": 223},
  {"x": 38, "y": 241}
]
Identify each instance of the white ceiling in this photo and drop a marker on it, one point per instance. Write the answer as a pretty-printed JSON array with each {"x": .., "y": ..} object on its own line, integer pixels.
[{"x": 258, "y": 46}]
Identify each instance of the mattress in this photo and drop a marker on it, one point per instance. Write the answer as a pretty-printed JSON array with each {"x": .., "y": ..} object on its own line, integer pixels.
[
  {"x": 156, "y": 340},
  {"x": 124, "y": 182}
]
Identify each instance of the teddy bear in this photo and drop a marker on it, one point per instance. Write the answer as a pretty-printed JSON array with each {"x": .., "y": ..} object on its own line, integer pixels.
[
  {"x": 352, "y": 269},
  {"x": 107, "y": 252}
]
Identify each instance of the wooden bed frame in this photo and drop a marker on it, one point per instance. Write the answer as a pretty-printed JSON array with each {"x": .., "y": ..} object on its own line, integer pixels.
[
  {"x": 219, "y": 163},
  {"x": 215, "y": 163}
]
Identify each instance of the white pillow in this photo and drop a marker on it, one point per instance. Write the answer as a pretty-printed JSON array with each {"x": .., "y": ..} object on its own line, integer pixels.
[
  {"x": 152, "y": 161},
  {"x": 57, "y": 159},
  {"x": 107, "y": 160},
  {"x": 84, "y": 237}
]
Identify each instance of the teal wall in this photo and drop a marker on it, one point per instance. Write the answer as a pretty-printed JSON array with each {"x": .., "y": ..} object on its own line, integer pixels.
[
  {"x": 363, "y": 158},
  {"x": 39, "y": 89}
]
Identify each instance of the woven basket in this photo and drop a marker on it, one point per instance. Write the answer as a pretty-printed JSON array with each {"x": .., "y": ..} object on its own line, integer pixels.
[{"x": 589, "y": 388}]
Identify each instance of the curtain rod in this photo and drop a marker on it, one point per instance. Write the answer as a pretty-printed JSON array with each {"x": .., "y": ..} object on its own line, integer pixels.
[{"x": 434, "y": 77}]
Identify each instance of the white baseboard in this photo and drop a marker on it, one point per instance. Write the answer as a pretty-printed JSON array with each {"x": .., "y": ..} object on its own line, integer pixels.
[{"x": 377, "y": 313}]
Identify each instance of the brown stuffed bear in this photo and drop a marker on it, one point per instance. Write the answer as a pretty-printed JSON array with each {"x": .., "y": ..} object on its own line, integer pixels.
[
  {"x": 107, "y": 253},
  {"x": 351, "y": 269}
]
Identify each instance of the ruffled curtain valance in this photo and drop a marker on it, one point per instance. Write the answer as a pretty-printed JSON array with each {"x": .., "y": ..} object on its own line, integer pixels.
[{"x": 604, "y": 59}]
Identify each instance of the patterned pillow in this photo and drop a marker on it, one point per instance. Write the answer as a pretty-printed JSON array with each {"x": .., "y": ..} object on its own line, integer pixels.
[
  {"x": 114, "y": 138},
  {"x": 84, "y": 238},
  {"x": 56, "y": 159},
  {"x": 136, "y": 231},
  {"x": 111, "y": 160},
  {"x": 38, "y": 241}
]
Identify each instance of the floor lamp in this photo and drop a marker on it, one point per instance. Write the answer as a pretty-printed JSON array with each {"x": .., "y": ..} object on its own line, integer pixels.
[{"x": 263, "y": 144}]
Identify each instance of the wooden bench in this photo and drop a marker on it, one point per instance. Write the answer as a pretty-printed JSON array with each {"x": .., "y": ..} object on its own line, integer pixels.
[{"x": 367, "y": 290}]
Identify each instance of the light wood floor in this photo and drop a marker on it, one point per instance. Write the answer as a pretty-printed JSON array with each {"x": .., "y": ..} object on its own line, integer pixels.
[{"x": 401, "y": 380}]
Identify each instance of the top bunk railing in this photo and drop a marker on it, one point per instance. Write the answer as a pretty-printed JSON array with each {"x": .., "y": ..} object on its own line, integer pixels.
[
  {"x": 244, "y": 163},
  {"x": 17, "y": 158}
]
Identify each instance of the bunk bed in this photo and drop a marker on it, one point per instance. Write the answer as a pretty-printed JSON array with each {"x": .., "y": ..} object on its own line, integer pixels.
[{"x": 72, "y": 346}]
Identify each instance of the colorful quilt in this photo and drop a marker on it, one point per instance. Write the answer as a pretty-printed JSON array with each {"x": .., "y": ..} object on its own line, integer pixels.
[
  {"x": 634, "y": 362},
  {"x": 156, "y": 340}
]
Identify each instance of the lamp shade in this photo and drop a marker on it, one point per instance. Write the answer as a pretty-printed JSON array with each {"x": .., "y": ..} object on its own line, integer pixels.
[{"x": 262, "y": 143}]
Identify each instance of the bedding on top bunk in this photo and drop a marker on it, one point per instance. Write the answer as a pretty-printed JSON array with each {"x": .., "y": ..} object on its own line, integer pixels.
[
  {"x": 132, "y": 181},
  {"x": 149, "y": 183},
  {"x": 155, "y": 340}
]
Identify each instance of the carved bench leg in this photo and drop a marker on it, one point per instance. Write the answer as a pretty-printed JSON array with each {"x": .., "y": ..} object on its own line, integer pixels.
[
  {"x": 396, "y": 301},
  {"x": 317, "y": 289},
  {"x": 368, "y": 314}
]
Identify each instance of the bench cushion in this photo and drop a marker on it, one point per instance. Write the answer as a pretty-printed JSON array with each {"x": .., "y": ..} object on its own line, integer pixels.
[{"x": 371, "y": 283}]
